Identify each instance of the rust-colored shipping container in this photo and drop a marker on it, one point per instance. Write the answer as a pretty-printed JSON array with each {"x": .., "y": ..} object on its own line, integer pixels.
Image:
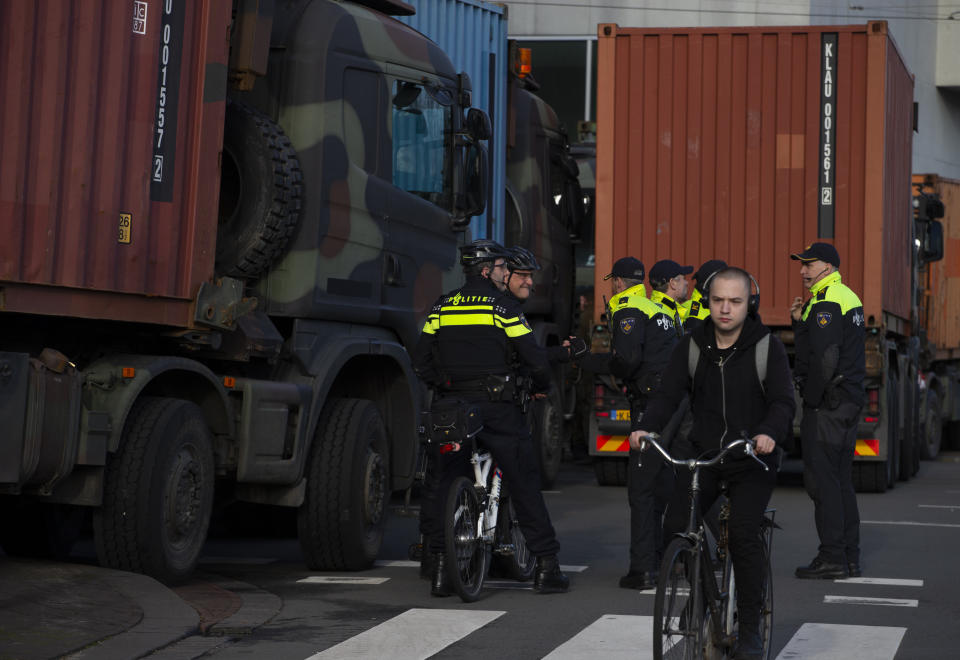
[
  {"x": 111, "y": 125},
  {"x": 747, "y": 143},
  {"x": 940, "y": 304}
]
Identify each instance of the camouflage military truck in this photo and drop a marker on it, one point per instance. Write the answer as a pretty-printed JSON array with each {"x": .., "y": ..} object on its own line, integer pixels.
[
  {"x": 221, "y": 252},
  {"x": 544, "y": 212}
]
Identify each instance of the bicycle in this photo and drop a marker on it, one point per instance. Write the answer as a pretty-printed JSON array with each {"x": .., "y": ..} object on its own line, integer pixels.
[
  {"x": 474, "y": 530},
  {"x": 694, "y": 616}
]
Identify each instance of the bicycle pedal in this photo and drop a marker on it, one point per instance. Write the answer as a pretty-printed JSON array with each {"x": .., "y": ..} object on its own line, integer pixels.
[{"x": 505, "y": 549}]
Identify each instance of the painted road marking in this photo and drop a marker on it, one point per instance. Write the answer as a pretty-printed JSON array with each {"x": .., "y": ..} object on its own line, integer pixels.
[
  {"x": 404, "y": 563},
  {"x": 861, "y": 600},
  {"x": 611, "y": 637},
  {"x": 890, "y": 582},
  {"x": 825, "y": 641},
  {"x": 341, "y": 579},
  {"x": 909, "y": 523},
  {"x": 952, "y": 507},
  {"x": 414, "y": 635}
]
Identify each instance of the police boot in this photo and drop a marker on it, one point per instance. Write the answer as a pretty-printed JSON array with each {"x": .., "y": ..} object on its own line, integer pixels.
[
  {"x": 440, "y": 585},
  {"x": 548, "y": 578}
]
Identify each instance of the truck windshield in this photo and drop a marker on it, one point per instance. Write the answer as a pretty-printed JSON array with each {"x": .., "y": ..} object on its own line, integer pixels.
[{"x": 422, "y": 130}]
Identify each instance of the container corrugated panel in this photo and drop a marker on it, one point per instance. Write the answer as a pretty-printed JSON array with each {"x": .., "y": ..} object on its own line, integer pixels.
[
  {"x": 942, "y": 283},
  {"x": 111, "y": 124},
  {"x": 474, "y": 36},
  {"x": 717, "y": 143}
]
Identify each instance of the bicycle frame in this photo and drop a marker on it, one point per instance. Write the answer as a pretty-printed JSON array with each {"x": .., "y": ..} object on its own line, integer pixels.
[
  {"x": 483, "y": 464},
  {"x": 719, "y": 599}
]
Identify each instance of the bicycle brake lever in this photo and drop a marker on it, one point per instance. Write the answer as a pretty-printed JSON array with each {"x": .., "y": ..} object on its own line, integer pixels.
[{"x": 752, "y": 453}]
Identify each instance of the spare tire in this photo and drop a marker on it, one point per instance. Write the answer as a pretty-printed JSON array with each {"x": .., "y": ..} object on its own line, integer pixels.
[{"x": 260, "y": 190}]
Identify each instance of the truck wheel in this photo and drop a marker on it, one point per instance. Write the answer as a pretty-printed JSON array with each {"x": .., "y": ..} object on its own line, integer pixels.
[
  {"x": 893, "y": 430},
  {"x": 932, "y": 428},
  {"x": 870, "y": 477},
  {"x": 909, "y": 432},
  {"x": 260, "y": 187},
  {"x": 342, "y": 518},
  {"x": 611, "y": 471},
  {"x": 158, "y": 491},
  {"x": 548, "y": 437}
]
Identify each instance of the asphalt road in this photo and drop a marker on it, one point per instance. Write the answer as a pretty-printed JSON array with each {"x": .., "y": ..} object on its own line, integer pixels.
[{"x": 906, "y": 605}]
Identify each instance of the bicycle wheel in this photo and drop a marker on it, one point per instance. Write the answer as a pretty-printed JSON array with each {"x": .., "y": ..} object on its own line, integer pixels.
[
  {"x": 512, "y": 558},
  {"x": 678, "y": 612},
  {"x": 468, "y": 556},
  {"x": 766, "y": 611}
]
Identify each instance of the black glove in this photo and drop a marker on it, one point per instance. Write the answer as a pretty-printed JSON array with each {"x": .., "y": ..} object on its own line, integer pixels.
[{"x": 578, "y": 347}]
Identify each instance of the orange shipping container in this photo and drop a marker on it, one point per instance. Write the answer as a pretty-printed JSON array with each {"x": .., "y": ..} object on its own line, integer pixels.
[
  {"x": 111, "y": 125},
  {"x": 940, "y": 310},
  {"x": 747, "y": 144}
]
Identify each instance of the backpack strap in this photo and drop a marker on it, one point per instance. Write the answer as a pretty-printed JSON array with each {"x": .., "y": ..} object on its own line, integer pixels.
[
  {"x": 761, "y": 353},
  {"x": 693, "y": 358}
]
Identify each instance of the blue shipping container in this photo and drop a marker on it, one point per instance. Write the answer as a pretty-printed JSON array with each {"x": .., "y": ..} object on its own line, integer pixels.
[{"x": 474, "y": 36}]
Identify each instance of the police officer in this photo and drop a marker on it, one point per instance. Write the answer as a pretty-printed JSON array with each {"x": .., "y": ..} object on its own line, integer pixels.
[
  {"x": 642, "y": 336},
  {"x": 693, "y": 311},
  {"x": 829, "y": 333},
  {"x": 470, "y": 341},
  {"x": 669, "y": 284}
]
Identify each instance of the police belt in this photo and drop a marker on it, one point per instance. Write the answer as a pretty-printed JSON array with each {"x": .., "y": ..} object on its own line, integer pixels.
[{"x": 498, "y": 387}]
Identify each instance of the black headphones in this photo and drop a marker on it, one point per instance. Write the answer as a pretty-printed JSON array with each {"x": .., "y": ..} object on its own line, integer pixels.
[{"x": 753, "y": 302}]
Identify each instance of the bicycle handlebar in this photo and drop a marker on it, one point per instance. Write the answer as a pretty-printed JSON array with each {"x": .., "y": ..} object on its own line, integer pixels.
[{"x": 749, "y": 447}]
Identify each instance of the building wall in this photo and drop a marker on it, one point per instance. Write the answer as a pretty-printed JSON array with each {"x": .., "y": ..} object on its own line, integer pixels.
[{"x": 927, "y": 38}]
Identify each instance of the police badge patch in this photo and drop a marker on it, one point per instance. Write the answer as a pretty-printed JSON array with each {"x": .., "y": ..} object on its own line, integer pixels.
[
  {"x": 524, "y": 322},
  {"x": 823, "y": 319},
  {"x": 626, "y": 325}
]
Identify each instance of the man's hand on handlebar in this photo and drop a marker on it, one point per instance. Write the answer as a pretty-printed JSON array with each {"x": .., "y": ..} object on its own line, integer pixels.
[
  {"x": 637, "y": 440},
  {"x": 764, "y": 443}
]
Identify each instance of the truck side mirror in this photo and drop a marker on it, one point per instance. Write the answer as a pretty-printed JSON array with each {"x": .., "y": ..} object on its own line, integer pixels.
[
  {"x": 473, "y": 201},
  {"x": 932, "y": 247},
  {"x": 478, "y": 124},
  {"x": 575, "y": 204}
]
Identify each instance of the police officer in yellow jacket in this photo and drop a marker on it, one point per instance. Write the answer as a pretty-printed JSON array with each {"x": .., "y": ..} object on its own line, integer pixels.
[
  {"x": 473, "y": 343},
  {"x": 829, "y": 333},
  {"x": 669, "y": 283},
  {"x": 693, "y": 312},
  {"x": 642, "y": 337}
]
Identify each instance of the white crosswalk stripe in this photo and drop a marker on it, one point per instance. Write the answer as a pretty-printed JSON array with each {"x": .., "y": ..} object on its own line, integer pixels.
[
  {"x": 862, "y": 600},
  {"x": 414, "y": 635},
  {"x": 612, "y": 637},
  {"x": 823, "y": 641},
  {"x": 420, "y": 633}
]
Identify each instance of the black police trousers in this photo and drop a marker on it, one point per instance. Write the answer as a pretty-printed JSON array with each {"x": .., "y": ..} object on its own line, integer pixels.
[
  {"x": 649, "y": 486},
  {"x": 828, "y": 439},
  {"x": 749, "y": 488},
  {"x": 506, "y": 435}
]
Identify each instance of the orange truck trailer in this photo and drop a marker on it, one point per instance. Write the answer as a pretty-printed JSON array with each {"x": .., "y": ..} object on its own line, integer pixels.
[{"x": 748, "y": 143}]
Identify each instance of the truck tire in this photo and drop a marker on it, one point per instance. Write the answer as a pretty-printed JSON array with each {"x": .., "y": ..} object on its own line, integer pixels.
[
  {"x": 611, "y": 471},
  {"x": 158, "y": 491},
  {"x": 932, "y": 427},
  {"x": 893, "y": 430},
  {"x": 260, "y": 190},
  {"x": 909, "y": 434},
  {"x": 870, "y": 477},
  {"x": 342, "y": 518},
  {"x": 548, "y": 437}
]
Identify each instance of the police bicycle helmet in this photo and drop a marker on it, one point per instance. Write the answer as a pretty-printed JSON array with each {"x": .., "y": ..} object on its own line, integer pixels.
[
  {"x": 521, "y": 258},
  {"x": 482, "y": 251}
]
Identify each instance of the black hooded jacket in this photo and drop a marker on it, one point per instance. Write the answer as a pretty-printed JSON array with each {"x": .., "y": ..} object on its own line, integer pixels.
[{"x": 726, "y": 396}]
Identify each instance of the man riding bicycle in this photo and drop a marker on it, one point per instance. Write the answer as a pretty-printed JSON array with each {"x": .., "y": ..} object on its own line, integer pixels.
[
  {"x": 471, "y": 342},
  {"x": 728, "y": 395}
]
